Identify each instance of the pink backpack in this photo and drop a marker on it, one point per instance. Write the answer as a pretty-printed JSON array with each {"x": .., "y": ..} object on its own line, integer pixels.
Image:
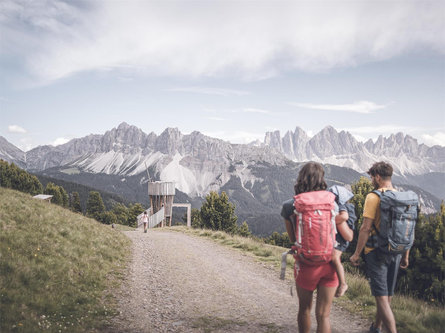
[{"x": 315, "y": 227}]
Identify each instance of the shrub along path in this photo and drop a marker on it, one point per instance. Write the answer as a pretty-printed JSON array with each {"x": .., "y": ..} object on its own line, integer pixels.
[{"x": 182, "y": 283}]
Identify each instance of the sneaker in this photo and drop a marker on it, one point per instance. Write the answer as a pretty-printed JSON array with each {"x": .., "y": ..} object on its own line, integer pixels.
[{"x": 373, "y": 329}]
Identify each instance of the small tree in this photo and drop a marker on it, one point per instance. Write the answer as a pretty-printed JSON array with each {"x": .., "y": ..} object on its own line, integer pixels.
[
  {"x": 196, "y": 218},
  {"x": 121, "y": 213},
  {"x": 133, "y": 212},
  {"x": 64, "y": 196},
  {"x": 217, "y": 213},
  {"x": 95, "y": 205},
  {"x": 75, "y": 202},
  {"x": 108, "y": 217},
  {"x": 54, "y": 190},
  {"x": 243, "y": 230},
  {"x": 360, "y": 189}
]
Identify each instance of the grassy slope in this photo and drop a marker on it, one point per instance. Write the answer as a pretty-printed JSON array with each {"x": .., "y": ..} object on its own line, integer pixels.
[
  {"x": 55, "y": 267},
  {"x": 413, "y": 316}
]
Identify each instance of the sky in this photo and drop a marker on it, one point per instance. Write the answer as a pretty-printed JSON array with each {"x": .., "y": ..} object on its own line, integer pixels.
[{"x": 229, "y": 69}]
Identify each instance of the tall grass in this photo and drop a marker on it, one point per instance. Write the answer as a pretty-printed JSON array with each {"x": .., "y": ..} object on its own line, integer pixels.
[
  {"x": 56, "y": 267},
  {"x": 412, "y": 315}
]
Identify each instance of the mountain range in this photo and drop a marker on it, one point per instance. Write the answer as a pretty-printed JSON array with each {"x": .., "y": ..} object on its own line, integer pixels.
[{"x": 257, "y": 176}]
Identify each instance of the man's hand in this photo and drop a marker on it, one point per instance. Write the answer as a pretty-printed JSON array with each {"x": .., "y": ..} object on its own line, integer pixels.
[
  {"x": 404, "y": 262},
  {"x": 355, "y": 259}
]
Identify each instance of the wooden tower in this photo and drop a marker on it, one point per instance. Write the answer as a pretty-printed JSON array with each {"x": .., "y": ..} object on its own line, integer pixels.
[{"x": 161, "y": 195}]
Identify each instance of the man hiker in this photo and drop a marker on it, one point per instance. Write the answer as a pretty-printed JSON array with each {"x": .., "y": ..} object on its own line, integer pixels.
[{"x": 381, "y": 267}]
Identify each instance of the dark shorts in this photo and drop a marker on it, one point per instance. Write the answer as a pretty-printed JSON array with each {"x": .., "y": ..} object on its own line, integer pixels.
[
  {"x": 341, "y": 245},
  {"x": 382, "y": 272}
]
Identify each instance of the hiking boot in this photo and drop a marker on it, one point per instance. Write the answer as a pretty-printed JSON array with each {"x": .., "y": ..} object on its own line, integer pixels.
[{"x": 374, "y": 329}]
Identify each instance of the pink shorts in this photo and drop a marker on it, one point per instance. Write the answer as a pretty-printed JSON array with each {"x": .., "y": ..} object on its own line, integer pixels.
[{"x": 310, "y": 277}]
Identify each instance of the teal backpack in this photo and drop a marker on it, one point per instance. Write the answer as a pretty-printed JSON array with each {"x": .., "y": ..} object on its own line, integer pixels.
[{"x": 399, "y": 212}]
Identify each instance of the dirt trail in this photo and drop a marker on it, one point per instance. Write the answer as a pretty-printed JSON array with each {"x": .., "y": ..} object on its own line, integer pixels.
[{"x": 181, "y": 283}]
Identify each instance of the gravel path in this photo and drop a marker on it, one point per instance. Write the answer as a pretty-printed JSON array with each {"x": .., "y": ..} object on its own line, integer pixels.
[{"x": 182, "y": 283}]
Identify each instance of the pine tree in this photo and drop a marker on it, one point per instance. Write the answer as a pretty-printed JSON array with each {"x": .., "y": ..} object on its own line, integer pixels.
[
  {"x": 95, "y": 205},
  {"x": 13, "y": 177},
  {"x": 217, "y": 213},
  {"x": 360, "y": 189},
  {"x": 243, "y": 230},
  {"x": 196, "y": 218},
  {"x": 64, "y": 196},
  {"x": 133, "y": 212},
  {"x": 53, "y": 189},
  {"x": 121, "y": 213},
  {"x": 75, "y": 202},
  {"x": 108, "y": 218}
]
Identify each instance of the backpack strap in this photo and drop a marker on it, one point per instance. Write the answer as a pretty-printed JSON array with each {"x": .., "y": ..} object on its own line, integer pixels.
[{"x": 372, "y": 241}]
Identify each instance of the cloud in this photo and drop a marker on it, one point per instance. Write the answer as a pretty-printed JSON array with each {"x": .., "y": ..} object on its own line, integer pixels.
[
  {"x": 26, "y": 144},
  {"x": 58, "y": 39},
  {"x": 16, "y": 129},
  {"x": 210, "y": 91},
  {"x": 255, "y": 110},
  {"x": 215, "y": 118},
  {"x": 60, "y": 141},
  {"x": 358, "y": 107},
  {"x": 435, "y": 139}
]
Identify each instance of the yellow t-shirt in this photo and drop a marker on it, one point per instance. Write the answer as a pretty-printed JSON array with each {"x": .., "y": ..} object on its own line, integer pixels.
[{"x": 371, "y": 210}]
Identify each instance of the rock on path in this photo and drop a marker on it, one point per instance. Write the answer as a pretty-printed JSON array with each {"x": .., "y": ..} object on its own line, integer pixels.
[{"x": 182, "y": 283}]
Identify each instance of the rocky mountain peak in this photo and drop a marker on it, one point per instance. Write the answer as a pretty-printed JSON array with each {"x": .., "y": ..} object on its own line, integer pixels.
[
  {"x": 169, "y": 142},
  {"x": 10, "y": 152},
  {"x": 273, "y": 140}
]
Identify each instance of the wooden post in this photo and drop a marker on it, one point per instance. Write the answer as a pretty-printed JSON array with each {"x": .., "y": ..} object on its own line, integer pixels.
[{"x": 189, "y": 216}]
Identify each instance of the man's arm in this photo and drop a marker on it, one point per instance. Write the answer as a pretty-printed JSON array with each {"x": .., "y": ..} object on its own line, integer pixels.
[
  {"x": 362, "y": 239},
  {"x": 290, "y": 230},
  {"x": 404, "y": 263}
]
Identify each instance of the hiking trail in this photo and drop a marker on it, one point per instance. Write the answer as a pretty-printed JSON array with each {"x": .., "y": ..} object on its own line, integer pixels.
[{"x": 183, "y": 283}]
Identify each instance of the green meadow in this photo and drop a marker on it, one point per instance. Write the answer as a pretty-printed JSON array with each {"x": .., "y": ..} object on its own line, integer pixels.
[{"x": 57, "y": 267}]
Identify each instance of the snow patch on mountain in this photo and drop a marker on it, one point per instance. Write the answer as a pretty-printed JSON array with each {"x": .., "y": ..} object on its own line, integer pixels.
[
  {"x": 245, "y": 175},
  {"x": 184, "y": 179},
  {"x": 146, "y": 161}
]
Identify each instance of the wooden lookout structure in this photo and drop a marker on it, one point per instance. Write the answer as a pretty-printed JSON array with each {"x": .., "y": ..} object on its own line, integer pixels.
[{"x": 161, "y": 196}]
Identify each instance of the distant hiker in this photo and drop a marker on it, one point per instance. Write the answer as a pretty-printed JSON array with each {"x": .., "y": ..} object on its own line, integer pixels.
[
  {"x": 145, "y": 221},
  {"x": 344, "y": 222},
  {"x": 314, "y": 212},
  {"x": 386, "y": 235}
]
